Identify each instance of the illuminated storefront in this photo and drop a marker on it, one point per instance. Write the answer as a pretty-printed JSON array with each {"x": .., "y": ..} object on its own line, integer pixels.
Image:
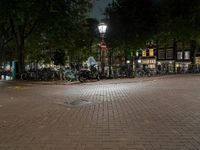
[{"x": 182, "y": 66}]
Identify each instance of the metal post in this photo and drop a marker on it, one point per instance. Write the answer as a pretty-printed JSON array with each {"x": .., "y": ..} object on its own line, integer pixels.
[
  {"x": 102, "y": 56},
  {"x": 102, "y": 30}
]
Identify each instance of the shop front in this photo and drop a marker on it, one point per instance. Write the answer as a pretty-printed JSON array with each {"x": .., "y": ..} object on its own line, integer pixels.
[
  {"x": 166, "y": 66},
  {"x": 149, "y": 63},
  {"x": 182, "y": 67}
]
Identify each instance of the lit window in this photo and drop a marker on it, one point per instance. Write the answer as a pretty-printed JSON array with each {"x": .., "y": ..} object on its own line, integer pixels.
[
  {"x": 179, "y": 55},
  {"x": 187, "y": 55},
  {"x": 144, "y": 54},
  {"x": 152, "y": 61},
  {"x": 151, "y": 52},
  {"x": 197, "y": 60}
]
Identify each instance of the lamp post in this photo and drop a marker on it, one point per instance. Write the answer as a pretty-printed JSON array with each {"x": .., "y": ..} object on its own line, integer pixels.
[
  {"x": 129, "y": 71},
  {"x": 102, "y": 30}
]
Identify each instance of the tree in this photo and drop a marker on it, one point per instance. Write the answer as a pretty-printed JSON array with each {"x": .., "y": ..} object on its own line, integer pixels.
[
  {"x": 55, "y": 17},
  {"x": 59, "y": 57},
  {"x": 179, "y": 19},
  {"x": 91, "y": 32},
  {"x": 85, "y": 41},
  {"x": 5, "y": 37},
  {"x": 131, "y": 23}
]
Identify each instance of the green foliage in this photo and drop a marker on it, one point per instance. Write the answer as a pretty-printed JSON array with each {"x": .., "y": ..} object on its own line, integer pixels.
[
  {"x": 131, "y": 23},
  {"x": 59, "y": 57},
  {"x": 83, "y": 43},
  {"x": 179, "y": 19},
  {"x": 55, "y": 20}
]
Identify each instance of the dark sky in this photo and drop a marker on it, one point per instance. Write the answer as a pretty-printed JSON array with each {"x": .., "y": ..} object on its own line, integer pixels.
[{"x": 98, "y": 8}]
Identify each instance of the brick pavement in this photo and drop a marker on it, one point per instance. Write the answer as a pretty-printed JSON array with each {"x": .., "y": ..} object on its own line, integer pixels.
[{"x": 147, "y": 114}]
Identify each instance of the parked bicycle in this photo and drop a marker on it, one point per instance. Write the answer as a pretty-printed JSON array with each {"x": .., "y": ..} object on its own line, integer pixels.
[
  {"x": 89, "y": 74},
  {"x": 141, "y": 73}
]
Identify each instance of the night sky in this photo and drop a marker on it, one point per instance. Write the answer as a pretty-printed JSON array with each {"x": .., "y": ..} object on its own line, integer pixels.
[{"x": 98, "y": 8}]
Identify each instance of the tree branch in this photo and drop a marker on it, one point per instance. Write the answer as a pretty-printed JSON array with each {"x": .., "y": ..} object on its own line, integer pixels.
[
  {"x": 13, "y": 28},
  {"x": 31, "y": 30},
  {"x": 7, "y": 41}
]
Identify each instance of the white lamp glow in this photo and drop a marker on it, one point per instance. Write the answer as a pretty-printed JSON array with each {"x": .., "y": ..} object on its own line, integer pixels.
[{"x": 102, "y": 28}]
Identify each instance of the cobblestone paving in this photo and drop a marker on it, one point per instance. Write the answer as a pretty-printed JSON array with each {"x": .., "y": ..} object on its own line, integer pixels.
[{"x": 130, "y": 114}]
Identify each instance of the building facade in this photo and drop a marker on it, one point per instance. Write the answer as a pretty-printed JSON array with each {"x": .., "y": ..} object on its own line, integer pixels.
[
  {"x": 166, "y": 58},
  {"x": 183, "y": 55},
  {"x": 149, "y": 56}
]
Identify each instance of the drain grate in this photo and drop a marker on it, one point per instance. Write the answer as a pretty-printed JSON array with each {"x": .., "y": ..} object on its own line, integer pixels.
[{"x": 79, "y": 102}]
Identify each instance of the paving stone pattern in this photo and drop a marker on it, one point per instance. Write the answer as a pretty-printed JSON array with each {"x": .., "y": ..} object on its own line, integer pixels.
[{"x": 130, "y": 114}]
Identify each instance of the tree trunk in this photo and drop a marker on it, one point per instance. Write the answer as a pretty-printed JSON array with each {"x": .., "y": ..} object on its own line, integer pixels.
[
  {"x": 20, "y": 48},
  {"x": 1, "y": 51}
]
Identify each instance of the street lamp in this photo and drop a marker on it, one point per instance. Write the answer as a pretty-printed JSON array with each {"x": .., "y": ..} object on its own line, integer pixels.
[
  {"x": 102, "y": 30},
  {"x": 129, "y": 71}
]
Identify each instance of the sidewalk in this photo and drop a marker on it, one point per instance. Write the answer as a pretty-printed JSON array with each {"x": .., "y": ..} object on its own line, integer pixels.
[
  {"x": 118, "y": 114},
  {"x": 102, "y": 81}
]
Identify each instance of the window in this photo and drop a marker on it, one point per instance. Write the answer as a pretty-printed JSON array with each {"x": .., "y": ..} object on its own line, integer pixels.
[
  {"x": 179, "y": 55},
  {"x": 169, "y": 53},
  {"x": 144, "y": 53},
  {"x": 151, "y": 52},
  {"x": 161, "y": 54},
  {"x": 152, "y": 61},
  {"x": 197, "y": 60},
  {"x": 187, "y": 55}
]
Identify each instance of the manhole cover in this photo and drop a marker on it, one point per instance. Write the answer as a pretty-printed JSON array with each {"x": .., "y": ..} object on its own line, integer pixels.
[{"x": 79, "y": 102}]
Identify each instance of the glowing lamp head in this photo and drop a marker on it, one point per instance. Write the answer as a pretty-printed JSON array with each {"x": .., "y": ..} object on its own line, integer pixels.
[
  {"x": 102, "y": 28},
  {"x": 128, "y": 61}
]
